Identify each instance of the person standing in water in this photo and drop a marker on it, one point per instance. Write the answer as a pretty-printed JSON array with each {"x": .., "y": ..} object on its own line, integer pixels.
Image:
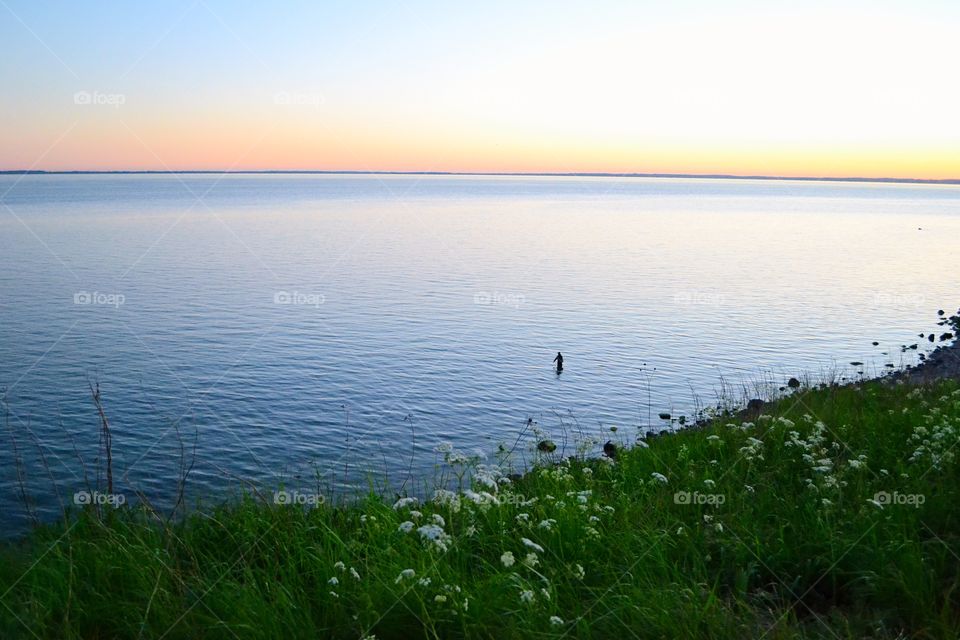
[{"x": 559, "y": 361}]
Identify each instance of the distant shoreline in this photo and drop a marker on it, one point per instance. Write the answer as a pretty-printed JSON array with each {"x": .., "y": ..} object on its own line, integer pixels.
[{"x": 947, "y": 181}]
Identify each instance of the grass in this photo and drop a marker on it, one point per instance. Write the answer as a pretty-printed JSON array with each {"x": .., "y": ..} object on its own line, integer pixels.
[{"x": 834, "y": 514}]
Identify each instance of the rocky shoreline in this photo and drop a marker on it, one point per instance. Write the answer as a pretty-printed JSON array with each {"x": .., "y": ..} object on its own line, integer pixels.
[{"x": 943, "y": 363}]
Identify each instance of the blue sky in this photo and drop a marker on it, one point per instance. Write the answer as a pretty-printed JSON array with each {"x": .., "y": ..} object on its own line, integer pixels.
[{"x": 798, "y": 88}]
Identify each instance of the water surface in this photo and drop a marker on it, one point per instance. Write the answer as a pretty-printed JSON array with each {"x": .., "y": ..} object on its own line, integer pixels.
[{"x": 351, "y": 322}]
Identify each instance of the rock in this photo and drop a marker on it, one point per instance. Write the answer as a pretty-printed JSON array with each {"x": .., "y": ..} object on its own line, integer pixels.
[
  {"x": 664, "y": 416},
  {"x": 945, "y": 336},
  {"x": 889, "y": 365},
  {"x": 857, "y": 364},
  {"x": 940, "y": 312},
  {"x": 682, "y": 419},
  {"x": 876, "y": 344},
  {"x": 610, "y": 449},
  {"x": 914, "y": 346},
  {"x": 793, "y": 383},
  {"x": 755, "y": 404},
  {"x": 547, "y": 446},
  {"x": 931, "y": 337}
]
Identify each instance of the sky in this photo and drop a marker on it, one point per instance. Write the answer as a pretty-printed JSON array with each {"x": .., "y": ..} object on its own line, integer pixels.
[{"x": 810, "y": 88}]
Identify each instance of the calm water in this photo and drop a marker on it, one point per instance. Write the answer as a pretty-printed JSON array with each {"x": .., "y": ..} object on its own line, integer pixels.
[{"x": 430, "y": 306}]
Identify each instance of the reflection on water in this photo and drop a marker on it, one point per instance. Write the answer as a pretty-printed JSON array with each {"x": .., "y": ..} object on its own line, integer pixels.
[{"x": 356, "y": 321}]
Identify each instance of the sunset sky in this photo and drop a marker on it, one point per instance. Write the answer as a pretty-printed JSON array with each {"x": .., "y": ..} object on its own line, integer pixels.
[{"x": 775, "y": 88}]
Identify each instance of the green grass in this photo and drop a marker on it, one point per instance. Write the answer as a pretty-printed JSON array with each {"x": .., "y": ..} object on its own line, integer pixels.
[{"x": 795, "y": 549}]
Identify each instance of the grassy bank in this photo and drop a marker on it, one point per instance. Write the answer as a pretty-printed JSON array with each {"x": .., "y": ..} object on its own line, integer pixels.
[{"x": 832, "y": 513}]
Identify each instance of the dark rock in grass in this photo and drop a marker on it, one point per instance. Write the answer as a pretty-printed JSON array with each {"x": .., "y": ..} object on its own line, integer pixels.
[
  {"x": 923, "y": 356},
  {"x": 782, "y": 388},
  {"x": 547, "y": 446},
  {"x": 922, "y": 335},
  {"x": 914, "y": 346},
  {"x": 946, "y": 336},
  {"x": 793, "y": 383},
  {"x": 940, "y": 312},
  {"x": 856, "y": 363},
  {"x": 610, "y": 449},
  {"x": 682, "y": 419},
  {"x": 755, "y": 404},
  {"x": 889, "y": 365},
  {"x": 876, "y": 344},
  {"x": 931, "y": 337},
  {"x": 665, "y": 416}
]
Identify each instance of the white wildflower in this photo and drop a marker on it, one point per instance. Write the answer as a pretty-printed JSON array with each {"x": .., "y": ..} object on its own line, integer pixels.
[
  {"x": 447, "y": 498},
  {"x": 404, "y": 502},
  {"x": 435, "y": 535},
  {"x": 507, "y": 559},
  {"x": 527, "y": 542}
]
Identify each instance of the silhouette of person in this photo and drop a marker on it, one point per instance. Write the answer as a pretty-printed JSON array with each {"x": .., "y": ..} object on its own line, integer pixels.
[{"x": 559, "y": 361}]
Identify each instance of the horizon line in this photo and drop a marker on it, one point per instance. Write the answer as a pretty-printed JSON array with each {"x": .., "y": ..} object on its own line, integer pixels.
[{"x": 583, "y": 174}]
